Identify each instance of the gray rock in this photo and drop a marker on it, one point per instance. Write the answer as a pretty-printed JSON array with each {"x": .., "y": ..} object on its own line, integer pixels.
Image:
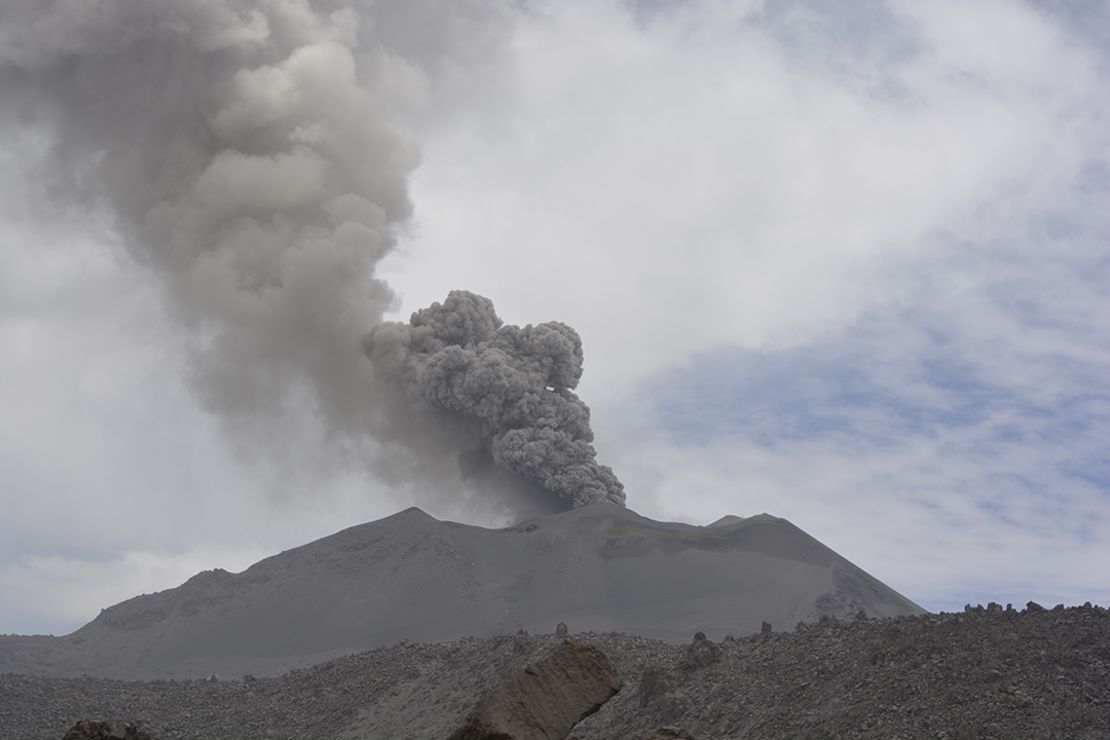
[
  {"x": 652, "y": 686},
  {"x": 670, "y": 733},
  {"x": 110, "y": 730},
  {"x": 546, "y": 699},
  {"x": 701, "y": 653}
]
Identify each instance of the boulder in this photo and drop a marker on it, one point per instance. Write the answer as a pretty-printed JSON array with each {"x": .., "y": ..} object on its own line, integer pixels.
[
  {"x": 546, "y": 699},
  {"x": 701, "y": 653},
  {"x": 88, "y": 729}
]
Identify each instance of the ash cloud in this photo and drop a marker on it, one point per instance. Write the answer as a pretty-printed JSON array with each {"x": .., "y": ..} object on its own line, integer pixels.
[
  {"x": 515, "y": 381},
  {"x": 252, "y": 155}
]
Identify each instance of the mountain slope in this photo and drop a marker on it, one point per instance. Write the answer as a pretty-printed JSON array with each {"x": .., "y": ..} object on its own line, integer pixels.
[{"x": 411, "y": 577}]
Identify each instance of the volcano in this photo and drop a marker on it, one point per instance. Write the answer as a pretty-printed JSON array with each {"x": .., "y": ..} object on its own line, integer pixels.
[{"x": 598, "y": 568}]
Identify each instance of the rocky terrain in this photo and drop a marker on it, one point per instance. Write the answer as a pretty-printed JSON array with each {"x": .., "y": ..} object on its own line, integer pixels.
[{"x": 985, "y": 673}]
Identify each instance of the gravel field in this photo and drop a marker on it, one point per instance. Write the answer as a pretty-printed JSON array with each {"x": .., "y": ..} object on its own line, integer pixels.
[{"x": 984, "y": 673}]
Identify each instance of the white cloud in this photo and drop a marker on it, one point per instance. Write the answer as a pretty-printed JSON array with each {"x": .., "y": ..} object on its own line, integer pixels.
[
  {"x": 63, "y": 593},
  {"x": 922, "y": 195},
  {"x": 919, "y": 190},
  {"x": 667, "y": 187},
  {"x": 945, "y": 518},
  {"x": 111, "y": 477}
]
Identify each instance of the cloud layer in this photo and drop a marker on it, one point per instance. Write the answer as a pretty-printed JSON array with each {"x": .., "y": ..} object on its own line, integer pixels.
[
  {"x": 862, "y": 268},
  {"x": 840, "y": 262}
]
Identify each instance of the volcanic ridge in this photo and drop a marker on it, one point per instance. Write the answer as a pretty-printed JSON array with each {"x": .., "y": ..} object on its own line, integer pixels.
[{"x": 410, "y": 577}]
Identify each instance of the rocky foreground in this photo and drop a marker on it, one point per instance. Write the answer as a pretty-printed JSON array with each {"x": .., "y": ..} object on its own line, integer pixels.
[{"x": 985, "y": 673}]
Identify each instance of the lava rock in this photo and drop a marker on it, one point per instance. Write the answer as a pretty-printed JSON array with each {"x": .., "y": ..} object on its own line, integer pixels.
[{"x": 546, "y": 699}]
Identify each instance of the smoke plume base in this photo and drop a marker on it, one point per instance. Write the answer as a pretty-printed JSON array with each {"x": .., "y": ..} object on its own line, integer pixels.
[{"x": 517, "y": 382}]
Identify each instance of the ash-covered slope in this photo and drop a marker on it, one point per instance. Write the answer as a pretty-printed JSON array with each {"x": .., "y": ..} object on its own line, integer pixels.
[{"x": 411, "y": 577}]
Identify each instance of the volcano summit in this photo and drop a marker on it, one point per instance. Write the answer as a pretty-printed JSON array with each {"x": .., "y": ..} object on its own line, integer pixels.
[{"x": 599, "y": 567}]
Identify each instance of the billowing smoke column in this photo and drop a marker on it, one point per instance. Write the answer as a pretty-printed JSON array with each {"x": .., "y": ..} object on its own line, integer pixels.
[
  {"x": 251, "y": 155},
  {"x": 247, "y": 155},
  {"x": 516, "y": 381}
]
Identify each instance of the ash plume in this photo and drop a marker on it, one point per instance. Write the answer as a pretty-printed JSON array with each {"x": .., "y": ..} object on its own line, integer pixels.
[
  {"x": 252, "y": 155},
  {"x": 516, "y": 381}
]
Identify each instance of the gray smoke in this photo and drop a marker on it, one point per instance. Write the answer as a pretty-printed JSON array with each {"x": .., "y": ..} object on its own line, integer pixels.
[
  {"x": 516, "y": 381},
  {"x": 251, "y": 154}
]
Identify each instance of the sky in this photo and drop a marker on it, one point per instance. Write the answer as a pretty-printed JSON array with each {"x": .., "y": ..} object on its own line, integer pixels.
[{"x": 845, "y": 263}]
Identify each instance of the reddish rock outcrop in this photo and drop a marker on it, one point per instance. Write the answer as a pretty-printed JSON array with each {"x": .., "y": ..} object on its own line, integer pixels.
[{"x": 546, "y": 699}]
